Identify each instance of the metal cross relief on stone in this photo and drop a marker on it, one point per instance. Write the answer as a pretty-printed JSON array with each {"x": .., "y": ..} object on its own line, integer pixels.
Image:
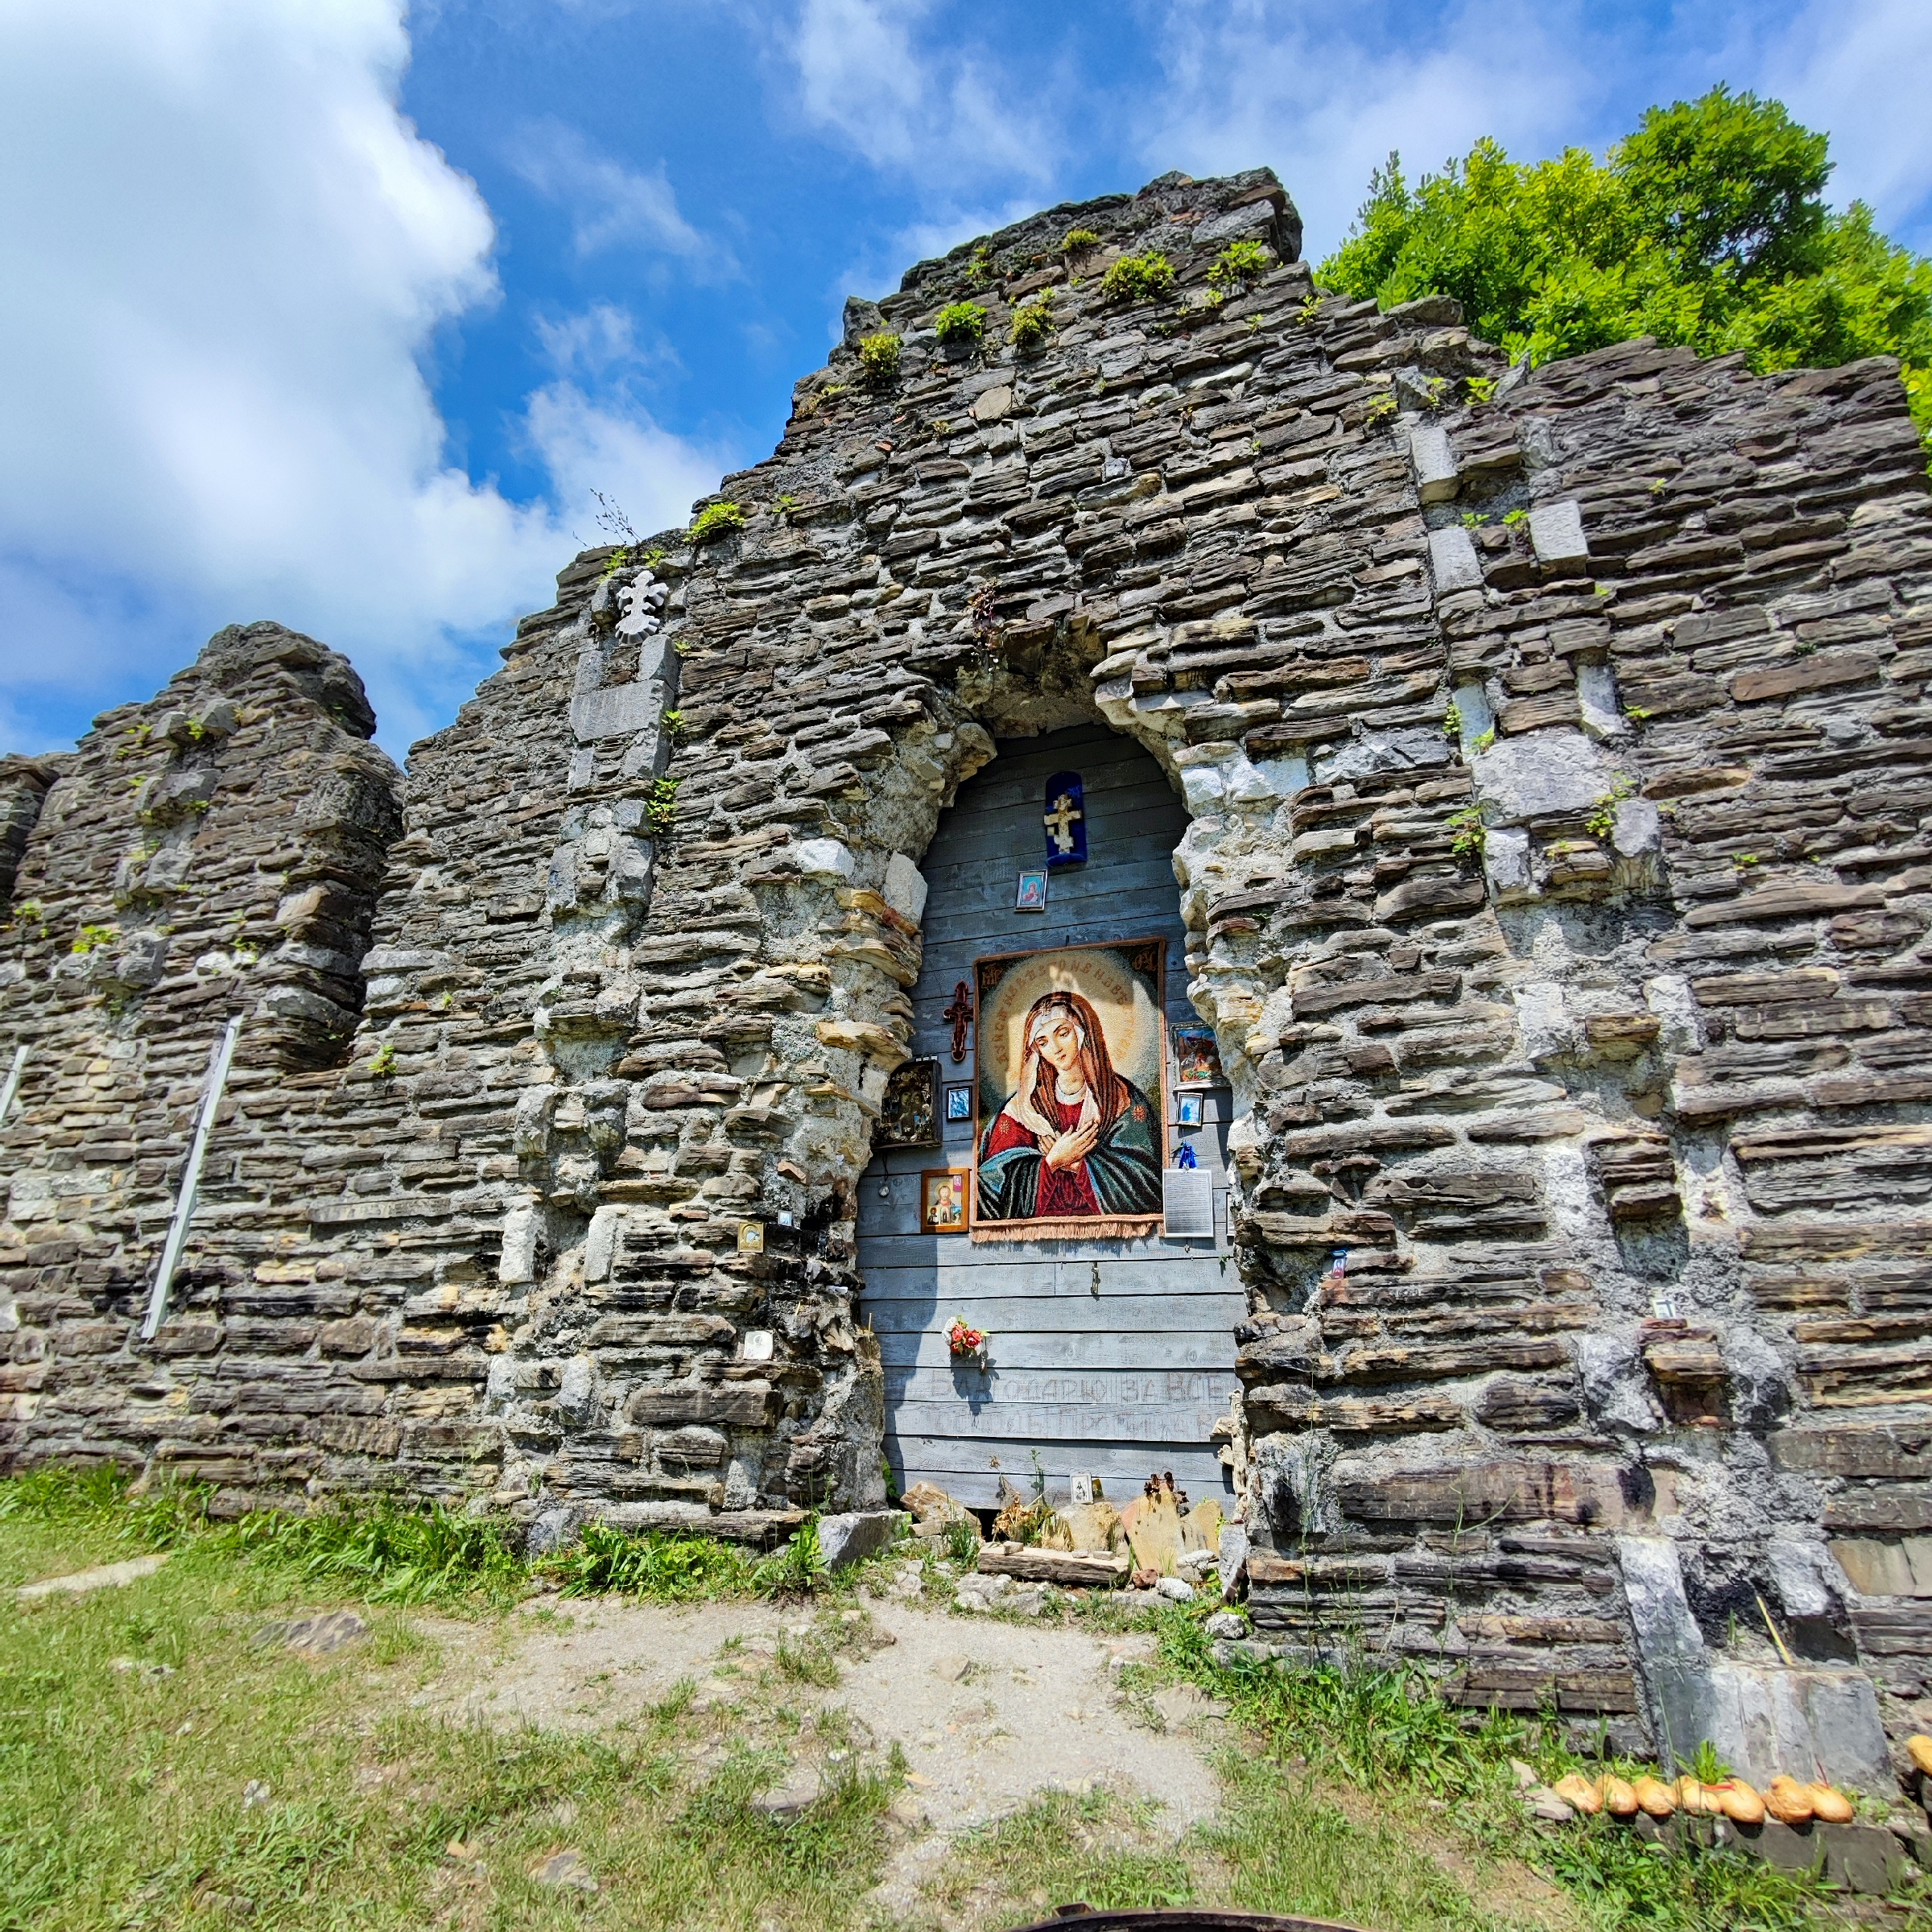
[
  {"x": 1062, "y": 820},
  {"x": 960, "y": 1013}
]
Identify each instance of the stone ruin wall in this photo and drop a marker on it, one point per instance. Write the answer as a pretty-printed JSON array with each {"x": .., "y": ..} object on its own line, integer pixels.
[{"x": 1555, "y": 883}]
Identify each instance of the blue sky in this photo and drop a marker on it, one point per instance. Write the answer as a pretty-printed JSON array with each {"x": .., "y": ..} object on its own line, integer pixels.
[{"x": 337, "y": 311}]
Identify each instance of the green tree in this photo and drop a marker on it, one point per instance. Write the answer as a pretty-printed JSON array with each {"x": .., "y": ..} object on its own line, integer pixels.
[{"x": 1706, "y": 227}]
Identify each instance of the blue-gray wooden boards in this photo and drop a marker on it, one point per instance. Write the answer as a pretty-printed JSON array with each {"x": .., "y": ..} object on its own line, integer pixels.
[{"x": 1111, "y": 1356}]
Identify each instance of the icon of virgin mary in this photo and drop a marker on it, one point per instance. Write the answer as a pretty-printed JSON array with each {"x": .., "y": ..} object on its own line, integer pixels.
[{"x": 1075, "y": 1139}]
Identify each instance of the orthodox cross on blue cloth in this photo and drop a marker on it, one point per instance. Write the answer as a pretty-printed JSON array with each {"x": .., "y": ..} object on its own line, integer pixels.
[{"x": 1065, "y": 820}]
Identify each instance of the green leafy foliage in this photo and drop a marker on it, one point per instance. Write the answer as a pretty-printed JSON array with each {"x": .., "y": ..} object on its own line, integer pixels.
[
  {"x": 91, "y": 939},
  {"x": 716, "y": 520},
  {"x": 1706, "y": 227},
  {"x": 1077, "y": 238},
  {"x": 661, "y": 808},
  {"x": 1147, "y": 277},
  {"x": 383, "y": 1062},
  {"x": 1466, "y": 831},
  {"x": 879, "y": 358},
  {"x": 665, "y": 1569},
  {"x": 1600, "y": 822},
  {"x": 798, "y": 1568},
  {"x": 1238, "y": 264},
  {"x": 959, "y": 323},
  {"x": 962, "y": 1541},
  {"x": 385, "y": 1552},
  {"x": 1032, "y": 325}
]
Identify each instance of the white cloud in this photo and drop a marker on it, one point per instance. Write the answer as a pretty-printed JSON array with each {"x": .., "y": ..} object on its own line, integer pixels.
[
  {"x": 224, "y": 251},
  {"x": 938, "y": 114},
  {"x": 611, "y": 204},
  {"x": 1857, "y": 68},
  {"x": 603, "y": 338},
  {"x": 1323, "y": 97},
  {"x": 588, "y": 446}
]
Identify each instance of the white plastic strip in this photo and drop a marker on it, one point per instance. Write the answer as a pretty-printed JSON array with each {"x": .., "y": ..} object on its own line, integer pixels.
[
  {"x": 190, "y": 1180},
  {"x": 12, "y": 1082}
]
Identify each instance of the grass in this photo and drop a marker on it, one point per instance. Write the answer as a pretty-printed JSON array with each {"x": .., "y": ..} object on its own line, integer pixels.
[
  {"x": 1096, "y": 1848},
  {"x": 1386, "y": 1732},
  {"x": 133, "y": 1722}
]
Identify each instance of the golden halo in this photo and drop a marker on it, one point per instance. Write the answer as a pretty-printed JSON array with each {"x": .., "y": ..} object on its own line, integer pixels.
[{"x": 1100, "y": 975}]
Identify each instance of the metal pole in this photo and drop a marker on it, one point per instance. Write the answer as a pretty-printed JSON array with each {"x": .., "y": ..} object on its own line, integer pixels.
[
  {"x": 12, "y": 1082},
  {"x": 191, "y": 1179}
]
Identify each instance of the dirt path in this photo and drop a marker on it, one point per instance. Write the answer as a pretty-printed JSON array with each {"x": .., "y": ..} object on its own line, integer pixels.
[{"x": 988, "y": 1713}]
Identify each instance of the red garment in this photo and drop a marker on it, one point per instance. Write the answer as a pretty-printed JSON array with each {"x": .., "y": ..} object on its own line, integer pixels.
[{"x": 1062, "y": 1190}]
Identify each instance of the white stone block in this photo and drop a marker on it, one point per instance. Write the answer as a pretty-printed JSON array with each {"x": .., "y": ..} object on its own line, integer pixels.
[
  {"x": 823, "y": 858},
  {"x": 1596, "y": 700},
  {"x": 1557, "y": 531},
  {"x": 1452, "y": 558},
  {"x": 904, "y": 887},
  {"x": 1202, "y": 787},
  {"x": 1543, "y": 772},
  {"x": 1506, "y": 864},
  {"x": 616, "y": 712},
  {"x": 601, "y": 1244},
  {"x": 1436, "y": 477},
  {"x": 518, "y": 1263},
  {"x": 1544, "y": 1020},
  {"x": 1473, "y": 714},
  {"x": 854, "y": 1533},
  {"x": 1637, "y": 829}
]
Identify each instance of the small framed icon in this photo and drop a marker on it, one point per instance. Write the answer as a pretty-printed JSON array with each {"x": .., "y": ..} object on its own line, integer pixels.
[
  {"x": 1188, "y": 1110},
  {"x": 1197, "y": 1059},
  {"x": 909, "y": 1114},
  {"x": 943, "y": 1200},
  {"x": 1032, "y": 894},
  {"x": 959, "y": 1103}
]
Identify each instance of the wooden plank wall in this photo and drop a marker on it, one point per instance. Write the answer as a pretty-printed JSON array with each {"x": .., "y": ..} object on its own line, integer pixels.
[{"x": 1109, "y": 1356}]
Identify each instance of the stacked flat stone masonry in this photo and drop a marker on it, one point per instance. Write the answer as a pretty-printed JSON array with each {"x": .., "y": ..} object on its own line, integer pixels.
[{"x": 1556, "y": 883}]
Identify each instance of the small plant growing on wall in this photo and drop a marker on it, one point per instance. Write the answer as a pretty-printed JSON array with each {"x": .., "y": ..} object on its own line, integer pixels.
[
  {"x": 612, "y": 521},
  {"x": 1379, "y": 408},
  {"x": 716, "y": 520},
  {"x": 1032, "y": 325},
  {"x": 1466, "y": 833},
  {"x": 1076, "y": 240},
  {"x": 1147, "y": 277},
  {"x": 91, "y": 939},
  {"x": 979, "y": 271},
  {"x": 661, "y": 808},
  {"x": 1237, "y": 265},
  {"x": 1602, "y": 819},
  {"x": 383, "y": 1062},
  {"x": 879, "y": 358},
  {"x": 959, "y": 324}
]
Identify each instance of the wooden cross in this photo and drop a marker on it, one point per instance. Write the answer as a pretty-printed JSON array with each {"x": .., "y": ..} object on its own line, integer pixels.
[
  {"x": 960, "y": 1013},
  {"x": 1060, "y": 821}
]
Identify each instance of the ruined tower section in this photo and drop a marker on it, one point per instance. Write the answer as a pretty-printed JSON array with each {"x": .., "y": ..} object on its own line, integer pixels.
[
  {"x": 215, "y": 852},
  {"x": 1556, "y": 883}
]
